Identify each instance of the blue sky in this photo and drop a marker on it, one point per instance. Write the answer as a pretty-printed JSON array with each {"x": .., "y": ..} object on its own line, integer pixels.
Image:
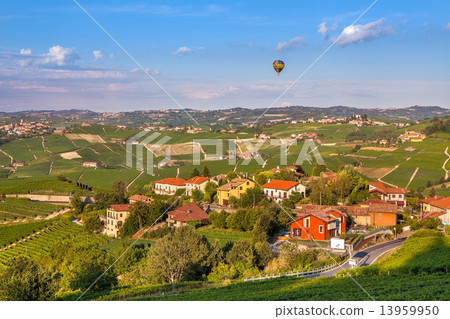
[{"x": 211, "y": 55}]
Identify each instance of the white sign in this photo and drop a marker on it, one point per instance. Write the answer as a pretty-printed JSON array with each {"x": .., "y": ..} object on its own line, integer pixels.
[
  {"x": 352, "y": 262},
  {"x": 337, "y": 243}
]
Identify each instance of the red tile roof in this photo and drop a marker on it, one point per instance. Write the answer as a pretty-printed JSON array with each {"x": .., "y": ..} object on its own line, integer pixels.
[
  {"x": 427, "y": 215},
  {"x": 344, "y": 210},
  {"x": 278, "y": 184},
  {"x": 390, "y": 190},
  {"x": 188, "y": 212},
  {"x": 172, "y": 181},
  {"x": 430, "y": 200},
  {"x": 236, "y": 182},
  {"x": 373, "y": 201},
  {"x": 442, "y": 203},
  {"x": 197, "y": 180},
  {"x": 120, "y": 207},
  {"x": 383, "y": 208},
  {"x": 141, "y": 198}
]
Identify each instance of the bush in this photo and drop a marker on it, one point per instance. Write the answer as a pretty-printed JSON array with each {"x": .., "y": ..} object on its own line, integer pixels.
[{"x": 427, "y": 233}]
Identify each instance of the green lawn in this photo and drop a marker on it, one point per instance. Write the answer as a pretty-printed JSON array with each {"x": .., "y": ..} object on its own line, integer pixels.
[{"x": 221, "y": 235}]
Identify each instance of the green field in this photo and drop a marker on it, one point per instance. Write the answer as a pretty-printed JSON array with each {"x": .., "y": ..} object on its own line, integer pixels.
[
  {"x": 11, "y": 233},
  {"x": 18, "y": 208},
  {"x": 221, "y": 235},
  {"x": 42, "y": 242}
]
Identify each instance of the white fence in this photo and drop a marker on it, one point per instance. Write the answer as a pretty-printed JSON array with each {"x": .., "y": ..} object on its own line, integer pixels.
[{"x": 297, "y": 273}]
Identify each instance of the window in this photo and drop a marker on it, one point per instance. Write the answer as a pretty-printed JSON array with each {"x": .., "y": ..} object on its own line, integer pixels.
[
  {"x": 380, "y": 216},
  {"x": 321, "y": 229},
  {"x": 306, "y": 222},
  {"x": 121, "y": 215},
  {"x": 248, "y": 183}
]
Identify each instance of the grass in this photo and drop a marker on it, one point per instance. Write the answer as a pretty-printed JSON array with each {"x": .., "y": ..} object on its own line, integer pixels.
[
  {"x": 221, "y": 235},
  {"x": 49, "y": 185},
  {"x": 59, "y": 143},
  {"x": 23, "y": 208},
  {"x": 42, "y": 242},
  {"x": 11, "y": 233}
]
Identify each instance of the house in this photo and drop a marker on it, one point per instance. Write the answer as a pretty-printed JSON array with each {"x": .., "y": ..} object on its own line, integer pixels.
[
  {"x": 90, "y": 164},
  {"x": 187, "y": 213},
  {"x": 169, "y": 186},
  {"x": 441, "y": 206},
  {"x": 393, "y": 195},
  {"x": 381, "y": 212},
  {"x": 140, "y": 198},
  {"x": 320, "y": 225},
  {"x": 425, "y": 204},
  {"x": 329, "y": 176},
  {"x": 235, "y": 188},
  {"x": 279, "y": 190},
  {"x": 297, "y": 169},
  {"x": 115, "y": 217},
  {"x": 412, "y": 136},
  {"x": 197, "y": 182}
]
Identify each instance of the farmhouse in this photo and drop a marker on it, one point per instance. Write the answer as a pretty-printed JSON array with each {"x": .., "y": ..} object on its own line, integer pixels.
[
  {"x": 197, "y": 182},
  {"x": 115, "y": 217},
  {"x": 393, "y": 195},
  {"x": 318, "y": 225},
  {"x": 279, "y": 190},
  {"x": 169, "y": 186},
  {"x": 187, "y": 213},
  {"x": 235, "y": 188},
  {"x": 425, "y": 204},
  {"x": 90, "y": 164},
  {"x": 140, "y": 198},
  {"x": 441, "y": 206}
]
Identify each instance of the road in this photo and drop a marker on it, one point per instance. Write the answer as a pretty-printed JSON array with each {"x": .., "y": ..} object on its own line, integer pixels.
[{"x": 364, "y": 257}]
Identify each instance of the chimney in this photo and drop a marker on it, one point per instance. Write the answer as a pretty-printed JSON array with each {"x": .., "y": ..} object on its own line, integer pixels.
[{"x": 188, "y": 211}]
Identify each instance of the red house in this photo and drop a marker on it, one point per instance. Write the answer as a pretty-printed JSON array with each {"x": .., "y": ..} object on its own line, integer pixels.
[{"x": 318, "y": 225}]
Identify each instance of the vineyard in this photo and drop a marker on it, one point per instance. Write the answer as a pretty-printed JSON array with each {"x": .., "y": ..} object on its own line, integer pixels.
[
  {"x": 14, "y": 208},
  {"x": 11, "y": 233},
  {"x": 40, "y": 243}
]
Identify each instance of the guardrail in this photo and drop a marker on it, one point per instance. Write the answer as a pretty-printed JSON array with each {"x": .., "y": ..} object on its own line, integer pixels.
[{"x": 297, "y": 273}]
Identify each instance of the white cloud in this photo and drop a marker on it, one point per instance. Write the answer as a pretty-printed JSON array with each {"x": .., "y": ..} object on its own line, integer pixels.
[
  {"x": 447, "y": 27},
  {"x": 98, "y": 55},
  {"x": 324, "y": 30},
  {"x": 182, "y": 51},
  {"x": 148, "y": 70},
  {"x": 292, "y": 44},
  {"x": 25, "y": 51},
  {"x": 207, "y": 94},
  {"x": 57, "y": 55},
  {"x": 361, "y": 33}
]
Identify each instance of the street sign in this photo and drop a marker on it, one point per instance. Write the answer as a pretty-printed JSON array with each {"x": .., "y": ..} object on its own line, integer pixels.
[
  {"x": 352, "y": 262},
  {"x": 337, "y": 243}
]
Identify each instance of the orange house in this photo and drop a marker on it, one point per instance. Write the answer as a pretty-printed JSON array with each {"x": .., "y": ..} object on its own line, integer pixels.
[{"x": 318, "y": 226}]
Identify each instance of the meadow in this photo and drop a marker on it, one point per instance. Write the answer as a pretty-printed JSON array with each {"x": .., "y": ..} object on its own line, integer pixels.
[{"x": 221, "y": 235}]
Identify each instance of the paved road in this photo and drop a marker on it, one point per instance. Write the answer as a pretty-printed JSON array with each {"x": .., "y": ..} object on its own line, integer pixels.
[{"x": 364, "y": 257}]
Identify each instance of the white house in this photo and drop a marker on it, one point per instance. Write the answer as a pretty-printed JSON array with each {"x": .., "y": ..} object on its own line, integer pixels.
[
  {"x": 169, "y": 186},
  {"x": 197, "y": 182},
  {"x": 280, "y": 190}
]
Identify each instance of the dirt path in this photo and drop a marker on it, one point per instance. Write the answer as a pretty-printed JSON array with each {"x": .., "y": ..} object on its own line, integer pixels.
[
  {"x": 395, "y": 167},
  {"x": 10, "y": 157},
  {"x": 56, "y": 214},
  {"x": 44, "y": 147},
  {"x": 50, "y": 169},
  {"x": 79, "y": 177},
  {"x": 447, "y": 172},
  {"x": 412, "y": 177},
  {"x": 142, "y": 172}
]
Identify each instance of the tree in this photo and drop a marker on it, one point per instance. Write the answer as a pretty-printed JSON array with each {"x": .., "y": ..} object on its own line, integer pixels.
[
  {"x": 232, "y": 200},
  {"x": 82, "y": 266},
  {"x": 24, "y": 280},
  {"x": 119, "y": 192},
  {"x": 177, "y": 257},
  {"x": 231, "y": 175},
  {"x": 195, "y": 172},
  {"x": 252, "y": 196},
  {"x": 262, "y": 228},
  {"x": 235, "y": 220},
  {"x": 285, "y": 175},
  {"x": 141, "y": 214},
  {"x": 196, "y": 194},
  {"x": 318, "y": 169},
  {"x": 262, "y": 177},
  {"x": 432, "y": 192},
  {"x": 242, "y": 252},
  {"x": 205, "y": 172},
  {"x": 263, "y": 254},
  {"x": 92, "y": 224},
  {"x": 77, "y": 204},
  {"x": 321, "y": 193}
]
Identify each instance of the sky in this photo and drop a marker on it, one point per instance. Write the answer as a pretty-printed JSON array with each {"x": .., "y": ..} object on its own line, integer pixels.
[{"x": 211, "y": 55}]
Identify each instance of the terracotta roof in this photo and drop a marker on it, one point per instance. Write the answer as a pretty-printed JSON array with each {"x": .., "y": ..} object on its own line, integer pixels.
[
  {"x": 138, "y": 197},
  {"x": 197, "y": 180},
  {"x": 427, "y": 215},
  {"x": 442, "y": 203},
  {"x": 373, "y": 201},
  {"x": 188, "y": 212},
  {"x": 388, "y": 190},
  {"x": 172, "y": 181},
  {"x": 326, "y": 217},
  {"x": 234, "y": 183},
  {"x": 383, "y": 208},
  {"x": 120, "y": 207},
  {"x": 278, "y": 184},
  {"x": 429, "y": 200},
  {"x": 345, "y": 210}
]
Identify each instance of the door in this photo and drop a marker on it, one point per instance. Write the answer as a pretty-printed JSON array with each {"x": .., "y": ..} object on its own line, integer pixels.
[{"x": 225, "y": 202}]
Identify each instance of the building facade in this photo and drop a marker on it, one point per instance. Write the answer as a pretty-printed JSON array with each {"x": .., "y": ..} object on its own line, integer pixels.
[
  {"x": 115, "y": 218},
  {"x": 235, "y": 188},
  {"x": 169, "y": 186},
  {"x": 279, "y": 190}
]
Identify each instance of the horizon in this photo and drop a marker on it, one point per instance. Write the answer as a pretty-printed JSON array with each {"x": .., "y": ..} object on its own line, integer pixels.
[{"x": 392, "y": 56}]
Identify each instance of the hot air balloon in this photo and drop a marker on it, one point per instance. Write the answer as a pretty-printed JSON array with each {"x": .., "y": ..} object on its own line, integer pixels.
[{"x": 278, "y": 65}]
